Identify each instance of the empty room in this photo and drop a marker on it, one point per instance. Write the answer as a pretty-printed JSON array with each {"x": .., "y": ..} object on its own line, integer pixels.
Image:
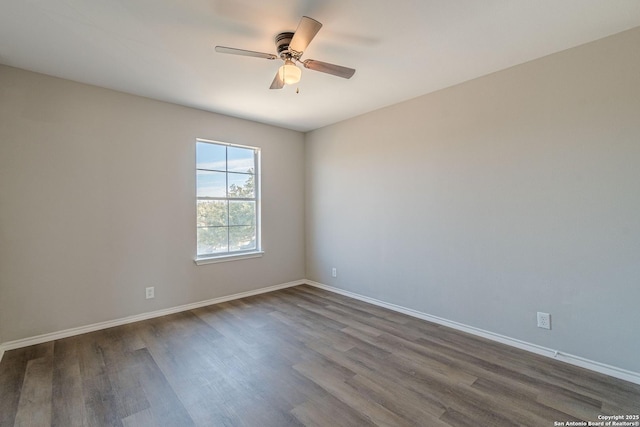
[{"x": 320, "y": 213}]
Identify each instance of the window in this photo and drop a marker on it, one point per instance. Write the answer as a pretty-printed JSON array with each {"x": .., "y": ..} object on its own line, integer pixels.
[{"x": 227, "y": 194}]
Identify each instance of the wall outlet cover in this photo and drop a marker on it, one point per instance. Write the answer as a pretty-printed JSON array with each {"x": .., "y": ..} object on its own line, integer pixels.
[{"x": 544, "y": 320}]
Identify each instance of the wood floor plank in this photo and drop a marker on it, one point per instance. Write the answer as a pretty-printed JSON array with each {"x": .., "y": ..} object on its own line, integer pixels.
[
  {"x": 409, "y": 357},
  {"x": 574, "y": 404},
  {"x": 142, "y": 418},
  {"x": 329, "y": 411},
  {"x": 98, "y": 394},
  {"x": 12, "y": 370},
  {"x": 333, "y": 380},
  {"x": 439, "y": 389},
  {"x": 299, "y": 356},
  {"x": 164, "y": 403},
  {"x": 123, "y": 368},
  {"x": 351, "y": 304},
  {"x": 12, "y": 375},
  {"x": 399, "y": 401},
  {"x": 527, "y": 406},
  {"x": 34, "y": 408},
  {"x": 68, "y": 400},
  {"x": 192, "y": 377},
  {"x": 99, "y": 401}
]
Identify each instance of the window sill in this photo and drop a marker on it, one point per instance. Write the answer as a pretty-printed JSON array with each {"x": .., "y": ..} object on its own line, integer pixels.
[{"x": 225, "y": 258}]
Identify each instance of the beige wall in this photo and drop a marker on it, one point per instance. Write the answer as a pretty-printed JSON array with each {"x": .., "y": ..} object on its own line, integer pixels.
[
  {"x": 97, "y": 202},
  {"x": 488, "y": 201}
]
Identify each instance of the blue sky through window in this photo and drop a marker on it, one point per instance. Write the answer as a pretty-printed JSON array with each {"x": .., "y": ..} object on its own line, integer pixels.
[{"x": 217, "y": 160}]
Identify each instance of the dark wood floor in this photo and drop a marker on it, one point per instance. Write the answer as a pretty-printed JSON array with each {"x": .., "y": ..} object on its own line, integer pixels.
[{"x": 300, "y": 356}]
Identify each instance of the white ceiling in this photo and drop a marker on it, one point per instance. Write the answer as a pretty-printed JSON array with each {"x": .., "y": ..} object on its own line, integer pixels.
[{"x": 164, "y": 49}]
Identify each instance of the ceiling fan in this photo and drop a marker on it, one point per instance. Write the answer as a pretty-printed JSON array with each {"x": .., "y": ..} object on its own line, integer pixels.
[{"x": 290, "y": 47}]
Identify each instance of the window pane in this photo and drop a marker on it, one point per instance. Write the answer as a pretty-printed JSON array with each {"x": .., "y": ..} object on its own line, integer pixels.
[
  {"x": 240, "y": 160},
  {"x": 227, "y": 174},
  {"x": 241, "y": 185},
  {"x": 212, "y": 240},
  {"x": 242, "y": 213},
  {"x": 242, "y": 238},
  {"x": 211, "y": 156},
  {"x": 211, "y": 184},
  {"x": 212, "y": 213}
]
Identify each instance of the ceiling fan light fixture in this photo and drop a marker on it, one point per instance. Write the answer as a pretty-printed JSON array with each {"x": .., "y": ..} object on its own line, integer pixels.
[{"x": 289, "y": 73}]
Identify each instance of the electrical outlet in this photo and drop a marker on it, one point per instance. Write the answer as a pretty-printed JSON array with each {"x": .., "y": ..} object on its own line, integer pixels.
[
  {"x": 150, "y": 292},
  {"x": 544, "y": 320},
  {"x": 334, "y": 272}
]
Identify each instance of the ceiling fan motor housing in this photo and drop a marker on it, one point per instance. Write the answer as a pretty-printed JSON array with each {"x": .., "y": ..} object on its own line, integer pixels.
[{"x": 282, "y": 45}]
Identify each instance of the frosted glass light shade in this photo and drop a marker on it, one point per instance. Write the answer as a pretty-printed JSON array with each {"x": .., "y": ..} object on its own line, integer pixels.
[{"x": 289, "y": 73}]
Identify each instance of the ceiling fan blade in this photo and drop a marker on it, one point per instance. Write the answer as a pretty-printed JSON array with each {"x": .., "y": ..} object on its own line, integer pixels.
[
  {"x": 277, "y": 83},
  {"x": 325, "y": 67},
  {"x": 242, "y": 52},
  {"x": 306, "y": 31}
]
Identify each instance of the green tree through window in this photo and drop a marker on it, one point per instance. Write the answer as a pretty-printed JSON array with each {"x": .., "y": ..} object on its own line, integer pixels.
[{"x": 227, "y": 199}]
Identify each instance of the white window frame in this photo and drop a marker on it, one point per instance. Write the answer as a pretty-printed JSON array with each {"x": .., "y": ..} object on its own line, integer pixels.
[{"x": 235, "y": 255}]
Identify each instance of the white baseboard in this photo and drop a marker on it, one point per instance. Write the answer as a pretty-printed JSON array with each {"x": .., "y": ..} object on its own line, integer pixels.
[
  {"x": 39, "y": 339},
  {"x": 602, "y": 368}
]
